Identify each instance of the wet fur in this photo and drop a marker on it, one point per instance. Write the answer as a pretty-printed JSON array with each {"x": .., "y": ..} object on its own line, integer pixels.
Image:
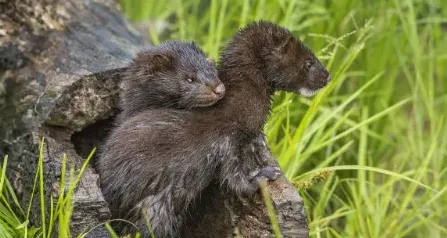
[{"x": 159, "y": 161}]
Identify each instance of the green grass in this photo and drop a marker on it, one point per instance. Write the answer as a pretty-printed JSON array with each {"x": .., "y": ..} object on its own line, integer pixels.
[
  {"x": 375, "y": 140},
  {"x": 14, "y": 222},
  {"x": 368, "y": 154}
]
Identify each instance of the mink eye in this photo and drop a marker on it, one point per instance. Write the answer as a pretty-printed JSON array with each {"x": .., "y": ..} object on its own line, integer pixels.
[
  {"x": 308, "y": 64},
  {"x": 190, "y": 79}
]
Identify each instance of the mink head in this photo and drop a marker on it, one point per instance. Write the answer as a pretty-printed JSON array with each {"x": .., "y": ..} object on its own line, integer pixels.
[
  {"x": 295, "y": 68},
  {"x": 174, "y": 74},
  {"x": 285, "y": 61}
]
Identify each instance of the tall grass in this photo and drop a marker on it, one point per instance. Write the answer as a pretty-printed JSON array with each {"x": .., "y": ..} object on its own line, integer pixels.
[
  {"x": 375, "y": 140},
  {"x": 14, "y": 222}
]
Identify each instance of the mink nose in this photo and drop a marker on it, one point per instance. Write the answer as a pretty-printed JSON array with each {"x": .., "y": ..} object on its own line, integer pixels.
[
  {"x": 328, "y": 79},
  {"x": 219, "y": 90}
]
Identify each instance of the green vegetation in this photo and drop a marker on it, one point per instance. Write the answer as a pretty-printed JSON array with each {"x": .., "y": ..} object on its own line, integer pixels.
[
  {"x": 14, "y": 221},
  {"x": 367, "y": 154},
  {"x": 375, "y": 140}
]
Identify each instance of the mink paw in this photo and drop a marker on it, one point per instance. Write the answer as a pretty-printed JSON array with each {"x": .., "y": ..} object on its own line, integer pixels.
[
  {"x": 263, "y": 174},
  {"x": 267, "y": 172}
]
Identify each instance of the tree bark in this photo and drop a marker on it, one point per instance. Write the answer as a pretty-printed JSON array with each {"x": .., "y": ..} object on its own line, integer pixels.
[{"x": 60, "y": 64}]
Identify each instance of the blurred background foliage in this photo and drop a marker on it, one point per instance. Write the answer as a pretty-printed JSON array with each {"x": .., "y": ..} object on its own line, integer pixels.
[{"x": 369, "y": 153}]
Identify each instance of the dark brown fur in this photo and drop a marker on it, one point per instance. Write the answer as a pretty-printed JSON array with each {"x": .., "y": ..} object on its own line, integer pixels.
[
  {"x": 174, "y": 74},
  {"x": 157, "y": 162}
]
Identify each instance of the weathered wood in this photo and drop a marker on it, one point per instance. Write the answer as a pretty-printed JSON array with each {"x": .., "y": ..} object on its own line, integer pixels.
[
  {"x": 58, "y": 71},
  {"x": 59, "y": 74},
  {"x": 221, "y": 214}
]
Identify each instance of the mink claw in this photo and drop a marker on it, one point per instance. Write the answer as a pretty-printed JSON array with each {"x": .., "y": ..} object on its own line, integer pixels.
[
  {"x": 267, "y": 172},
  {"x": 263, "y": 174},
  {"x": 270, "y": 172}
]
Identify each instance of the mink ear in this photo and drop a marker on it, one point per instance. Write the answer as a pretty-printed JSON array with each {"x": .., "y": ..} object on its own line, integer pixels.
[
  {"x": 286, "y": 46},
  {"x": 160, "y": 61}
]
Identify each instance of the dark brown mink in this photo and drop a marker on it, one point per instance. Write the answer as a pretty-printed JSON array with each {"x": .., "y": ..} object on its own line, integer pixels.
[
  {"x": 174, "y": 74},
  {"x": 156, "y": 163}
]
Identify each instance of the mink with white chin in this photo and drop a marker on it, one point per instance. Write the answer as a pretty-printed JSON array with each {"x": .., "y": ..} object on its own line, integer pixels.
[
  {"x": 157, "y": 162},
  {"x": 174, "y": 74}
]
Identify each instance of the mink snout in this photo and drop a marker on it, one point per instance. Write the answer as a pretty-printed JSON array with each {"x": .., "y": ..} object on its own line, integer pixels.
[{"x": 219, "y": 90}]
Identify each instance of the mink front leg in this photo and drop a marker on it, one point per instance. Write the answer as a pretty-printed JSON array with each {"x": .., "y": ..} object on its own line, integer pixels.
[{"x": 246, "y": 167}]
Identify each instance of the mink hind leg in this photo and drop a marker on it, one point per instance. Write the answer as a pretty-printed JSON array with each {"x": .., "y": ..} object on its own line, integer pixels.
[
  {"x": 157, "y": 216},
  {"x": 162, "y": 216}
]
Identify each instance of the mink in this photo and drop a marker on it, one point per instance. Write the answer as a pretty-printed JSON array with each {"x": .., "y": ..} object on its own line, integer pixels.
[
  {"x": 174, "y": 74},
  {"x": 156, "y": 163}
]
